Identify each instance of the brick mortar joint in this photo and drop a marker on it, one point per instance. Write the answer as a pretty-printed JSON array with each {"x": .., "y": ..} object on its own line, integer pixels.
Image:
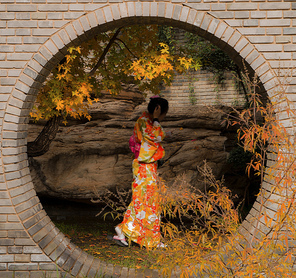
[{"x": 166, "y": 4}]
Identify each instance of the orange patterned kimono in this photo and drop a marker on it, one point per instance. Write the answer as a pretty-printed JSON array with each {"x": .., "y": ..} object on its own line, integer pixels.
[{"x": 141, "y": 222}]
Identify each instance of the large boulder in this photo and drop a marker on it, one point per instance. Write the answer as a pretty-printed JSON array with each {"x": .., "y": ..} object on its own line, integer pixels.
[{"x": 87, "y": 157}]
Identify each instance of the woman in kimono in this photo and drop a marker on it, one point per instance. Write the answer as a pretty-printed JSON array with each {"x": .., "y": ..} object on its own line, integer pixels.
[{"x": 141, "y": 221}]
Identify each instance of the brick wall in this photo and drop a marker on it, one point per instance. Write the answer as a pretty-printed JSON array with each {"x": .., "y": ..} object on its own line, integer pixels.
[
  {"x": 200, "y": 88},
  {"x": 34, "y": 35}
]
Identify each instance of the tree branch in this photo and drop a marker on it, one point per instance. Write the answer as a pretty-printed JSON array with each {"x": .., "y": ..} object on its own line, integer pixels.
[
  {"x": 242, "y": 83},
  {"x": 127, "y": 47},
  {"x": 92, "y": 72}
]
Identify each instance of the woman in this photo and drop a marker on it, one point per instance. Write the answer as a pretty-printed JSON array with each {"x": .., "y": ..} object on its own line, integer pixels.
[{"x": 141, "y": 222}]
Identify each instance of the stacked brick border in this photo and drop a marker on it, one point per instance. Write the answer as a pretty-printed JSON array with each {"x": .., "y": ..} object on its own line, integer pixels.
[{"x": 29, "y": 242}]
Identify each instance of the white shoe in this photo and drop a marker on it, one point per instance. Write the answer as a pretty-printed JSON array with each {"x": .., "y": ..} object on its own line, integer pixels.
[
  {"x": 117, "y": 240},
  {"x": 119, "y": 232}
]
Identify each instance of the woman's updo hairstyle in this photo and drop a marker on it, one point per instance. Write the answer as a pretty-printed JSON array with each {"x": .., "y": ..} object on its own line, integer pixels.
[{"x": 155, "y": 101}]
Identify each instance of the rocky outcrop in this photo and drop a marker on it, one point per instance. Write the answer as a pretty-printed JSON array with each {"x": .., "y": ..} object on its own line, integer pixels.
[{"x": 87, "y": 157}]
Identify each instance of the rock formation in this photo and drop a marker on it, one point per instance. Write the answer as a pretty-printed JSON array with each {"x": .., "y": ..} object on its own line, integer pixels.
[{"x": 87, "y": 157}]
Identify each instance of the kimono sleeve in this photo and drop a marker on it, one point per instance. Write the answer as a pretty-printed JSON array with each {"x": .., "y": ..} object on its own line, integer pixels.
[
  {"x": 152, "y": 136},
  {"x": 153, "y": 133}
]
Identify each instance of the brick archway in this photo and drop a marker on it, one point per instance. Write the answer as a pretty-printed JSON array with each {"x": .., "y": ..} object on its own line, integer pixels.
[{"x": 31, "y": 242}]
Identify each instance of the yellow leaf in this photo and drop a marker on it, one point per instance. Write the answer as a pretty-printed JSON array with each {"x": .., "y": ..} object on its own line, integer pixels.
[{"x": 60, "y": 104}]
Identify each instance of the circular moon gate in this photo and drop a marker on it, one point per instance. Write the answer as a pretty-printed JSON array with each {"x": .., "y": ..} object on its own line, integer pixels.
[{"x": 30, "y": 242}]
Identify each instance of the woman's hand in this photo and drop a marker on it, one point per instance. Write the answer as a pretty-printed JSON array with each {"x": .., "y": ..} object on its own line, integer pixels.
[{"x": 157, "y": 112}]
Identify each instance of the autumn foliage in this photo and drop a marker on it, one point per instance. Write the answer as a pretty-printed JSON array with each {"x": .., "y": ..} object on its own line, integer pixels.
[
  {"x": 208, "y": 239},
  {"x": 132, "y": 56},
  {"x": 221, "y": 248},
  {"x": 67, "y": 92}
]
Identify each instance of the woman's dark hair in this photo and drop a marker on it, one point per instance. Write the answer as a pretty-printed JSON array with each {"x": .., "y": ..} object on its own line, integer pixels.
[{"x": 154, "y": 101}]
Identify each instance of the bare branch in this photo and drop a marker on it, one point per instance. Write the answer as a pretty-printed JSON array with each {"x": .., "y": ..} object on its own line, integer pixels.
[
  {"x": 92, "y": 72},
  {"x": 127, "y": 47}
]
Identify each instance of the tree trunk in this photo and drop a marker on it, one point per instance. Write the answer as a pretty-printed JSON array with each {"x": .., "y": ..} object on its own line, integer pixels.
[{"x": 41, "y": 144}]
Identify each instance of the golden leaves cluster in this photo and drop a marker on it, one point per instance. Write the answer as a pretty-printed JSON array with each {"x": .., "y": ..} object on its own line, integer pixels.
[
  {"x": 268, "y": 250},
  {"x": 66, "y": 93},
  {"x": 132, "y": 58},
  {"x": 161, "y": 64},
  {"x": 205, "y": 220}
]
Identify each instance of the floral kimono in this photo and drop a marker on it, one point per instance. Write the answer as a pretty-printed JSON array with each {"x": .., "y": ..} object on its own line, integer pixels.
[{"x": 141, "y": 222}]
